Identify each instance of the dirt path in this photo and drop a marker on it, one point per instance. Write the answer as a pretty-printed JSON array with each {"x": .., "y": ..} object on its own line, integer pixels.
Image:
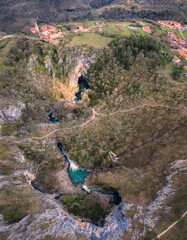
[
  {"x": 171, "y": 226},
  {"x": 94, "y": 114},
  {"x": 138, "y": 107}
]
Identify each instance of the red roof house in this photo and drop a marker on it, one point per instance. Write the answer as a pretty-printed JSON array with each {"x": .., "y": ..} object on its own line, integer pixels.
[
  {"x": 147, "y": 29},
  {"x": 171, "y": 36},
  {"x": 166, "y": 23},
  {"x": 177, "y": 24},
  {"x": 140, "y": 22},
  {"x": 176, "y": 60},
  {"x": 47, "y": 28},
  {"x": 33, "y": 30},
  {"x": 54, "y": 41},
  {"x": 183, "y": 53},
  {"x": 180, "y": 41}
]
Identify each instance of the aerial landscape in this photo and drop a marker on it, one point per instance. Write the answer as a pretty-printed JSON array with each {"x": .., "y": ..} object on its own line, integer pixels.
[{"x": 93, "y": 119}]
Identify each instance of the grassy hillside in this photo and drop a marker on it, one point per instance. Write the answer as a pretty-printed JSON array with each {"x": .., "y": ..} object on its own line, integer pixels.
[{"x": 90, "y": 39}]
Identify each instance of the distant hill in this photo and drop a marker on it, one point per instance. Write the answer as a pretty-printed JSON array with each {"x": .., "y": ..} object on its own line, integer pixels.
[{"x": 18, "y": 15}]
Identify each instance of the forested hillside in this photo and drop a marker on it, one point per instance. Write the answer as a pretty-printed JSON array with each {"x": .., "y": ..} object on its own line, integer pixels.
[{"x": 19, "y": 14}]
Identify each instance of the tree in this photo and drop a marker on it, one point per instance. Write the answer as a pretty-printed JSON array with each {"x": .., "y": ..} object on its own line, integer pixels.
[{"x": 177, "y": 71}]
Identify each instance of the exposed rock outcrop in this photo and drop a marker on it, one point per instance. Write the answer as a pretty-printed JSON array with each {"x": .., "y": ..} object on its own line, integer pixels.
[
  {"x": 82, "y": 63},
  {"x": 11, "y": 112}
]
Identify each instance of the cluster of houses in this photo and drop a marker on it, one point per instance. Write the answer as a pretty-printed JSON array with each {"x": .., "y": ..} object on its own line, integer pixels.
[
  {"x": 180, "y": 44},
  {"x": 52, "y": 35},
  {"x": 145, "y": 28},
  {"x": 171, "y": 24},
  {"x": 47, "y": 33}
]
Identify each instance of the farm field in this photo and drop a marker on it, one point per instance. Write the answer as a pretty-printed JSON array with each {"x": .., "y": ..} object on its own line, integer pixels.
[
  {"x": 139, "y": 30},
  {"x": 91, "y": 39},
  {"x": 124, "y": 31}
]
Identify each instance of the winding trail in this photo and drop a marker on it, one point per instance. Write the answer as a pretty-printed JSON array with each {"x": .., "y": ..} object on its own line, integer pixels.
[
  {"x": 94, "y": 114},
  {"x": 171, "y": 226}
]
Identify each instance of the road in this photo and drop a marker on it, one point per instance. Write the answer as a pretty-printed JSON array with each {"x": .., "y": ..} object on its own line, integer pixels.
[{"x": 16, "y": 36}]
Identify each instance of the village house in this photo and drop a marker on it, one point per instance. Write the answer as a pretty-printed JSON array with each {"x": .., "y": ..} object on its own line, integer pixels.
[
  {"x": 177, "y": 24},
  {"x": 47, "y": 28},
  {"x": 147, "y": 29},
  {"x": 54, "y": 41},
  {"x": 183, "y": 53},
  {"x": 166, "y": 23},
  {"x": 176, "y": 61},
  {"x": 140, "y": 23},
  {"x": 170, "y": 24},
  {"x": 171, "y": 36},
  {"x": 33, "y": 30},
  {"x": 180, "y": 41}
]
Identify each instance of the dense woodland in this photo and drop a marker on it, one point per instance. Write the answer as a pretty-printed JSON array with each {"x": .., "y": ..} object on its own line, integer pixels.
[
  {"x": 19, "y": 15},
  {"x": 114, "y": 68}
]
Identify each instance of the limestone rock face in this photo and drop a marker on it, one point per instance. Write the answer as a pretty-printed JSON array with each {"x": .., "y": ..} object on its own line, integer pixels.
[
  {"x": 58, "y": 223},
  {"x": 82, "y": 64},
  {"x": 11, "y": 112}
]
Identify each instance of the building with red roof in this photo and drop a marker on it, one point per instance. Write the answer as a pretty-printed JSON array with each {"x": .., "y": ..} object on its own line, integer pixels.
[
  {"x": 47, "y": 28},
  {"x": 33, "y": 30},
  {"x": 54, "y": 41},
  {"x": 147, "y": 29},
  {"x": 140, "y": 22},
  {"x": 180, "y": 41},
  {"x": 183, "y": 53},
  {"x": 170, "y": 23},
  {"x": 171, "y": 36},
  {"x": 176, "y": 60},
  {"x": 166, "y": 23},
  {"x": 177, "y": 24}
]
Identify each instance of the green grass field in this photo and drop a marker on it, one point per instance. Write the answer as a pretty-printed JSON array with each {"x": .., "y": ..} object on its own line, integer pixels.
[
  {"x": 178, "y": 33},
  {"x": 139, "y": 30},
  {"x": 116, "y": 30},
  {"x": 116, "y": 23},
  {"x": 160, "y": 31},
  {"x": 90, "y": 39},
  {"x": 185, "y": 34}
]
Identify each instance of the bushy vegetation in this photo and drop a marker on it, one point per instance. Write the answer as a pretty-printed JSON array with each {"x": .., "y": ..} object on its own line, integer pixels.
[
  {"x": 177, "y": 72},
  {"x": 16, "y": 203},
  {"x": 86, "y": 207},
  {"x": 110, "y": 69},
  {"x": 127, "y": 50}
]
